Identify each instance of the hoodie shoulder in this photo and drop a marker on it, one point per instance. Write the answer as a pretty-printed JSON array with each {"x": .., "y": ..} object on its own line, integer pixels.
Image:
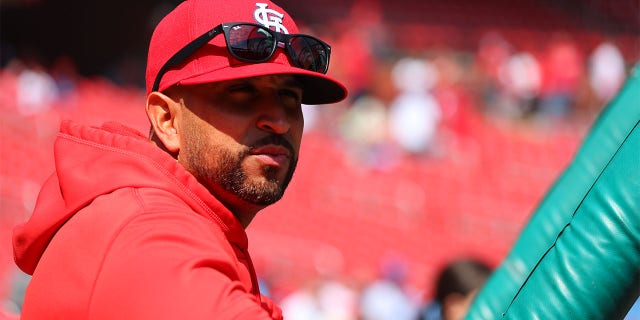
[{"x": 91, "y": 162}]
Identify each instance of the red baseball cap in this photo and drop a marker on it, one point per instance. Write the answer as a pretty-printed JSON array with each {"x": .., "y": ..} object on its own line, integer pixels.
[{"x": 213, "y": 62}]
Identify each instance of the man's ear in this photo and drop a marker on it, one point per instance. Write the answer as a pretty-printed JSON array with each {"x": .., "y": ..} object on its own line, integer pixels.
[{"x": 163, "y": 113}]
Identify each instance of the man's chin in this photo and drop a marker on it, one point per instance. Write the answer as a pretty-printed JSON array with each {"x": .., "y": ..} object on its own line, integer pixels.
[{"x": 262, "y": 192}]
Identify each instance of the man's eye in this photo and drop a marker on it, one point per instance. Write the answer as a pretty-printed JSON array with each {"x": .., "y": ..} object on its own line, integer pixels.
[
  {"x": 242, "y": 88},
  {"x": 291, "y": 94}
]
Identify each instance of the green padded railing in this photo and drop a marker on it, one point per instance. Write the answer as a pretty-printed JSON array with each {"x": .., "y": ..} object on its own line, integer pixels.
[{"x": 578, "y": 257}]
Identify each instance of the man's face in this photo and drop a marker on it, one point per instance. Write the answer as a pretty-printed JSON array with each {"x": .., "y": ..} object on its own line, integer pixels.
[{"x": 241, "y": 138}]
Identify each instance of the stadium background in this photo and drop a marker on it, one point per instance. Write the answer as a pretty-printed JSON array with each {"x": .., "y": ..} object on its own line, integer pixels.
[{"x": 346, "y": 217}]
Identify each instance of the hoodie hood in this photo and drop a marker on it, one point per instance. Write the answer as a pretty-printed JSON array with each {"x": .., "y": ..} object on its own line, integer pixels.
[{"x": 91, "y": 162}]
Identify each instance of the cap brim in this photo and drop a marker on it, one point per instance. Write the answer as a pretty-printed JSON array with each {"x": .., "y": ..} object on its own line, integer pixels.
[{"x": 317, "y": 88}]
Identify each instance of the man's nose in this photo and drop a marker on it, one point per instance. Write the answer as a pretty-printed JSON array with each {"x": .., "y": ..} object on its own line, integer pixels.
[{"x": 273, "y": 116}]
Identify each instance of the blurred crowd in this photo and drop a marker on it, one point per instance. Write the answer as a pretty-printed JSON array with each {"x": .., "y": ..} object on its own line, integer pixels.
[
  {"x": 413, "y": 104},
  {"x": 409, "y": 103},
  {"x": 403, "y": 104},
  {"x": 389, "y": 296}
]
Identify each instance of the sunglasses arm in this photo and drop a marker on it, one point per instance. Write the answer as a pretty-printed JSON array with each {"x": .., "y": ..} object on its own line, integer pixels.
[{"x": 184, "y": 53}]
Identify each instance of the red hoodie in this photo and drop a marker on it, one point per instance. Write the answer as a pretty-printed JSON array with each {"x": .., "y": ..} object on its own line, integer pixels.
[{"x": 122, "y": 231}]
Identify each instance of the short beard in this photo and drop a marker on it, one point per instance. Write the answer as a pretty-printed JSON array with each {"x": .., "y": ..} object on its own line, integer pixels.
[{"x": 228, "y": 173}]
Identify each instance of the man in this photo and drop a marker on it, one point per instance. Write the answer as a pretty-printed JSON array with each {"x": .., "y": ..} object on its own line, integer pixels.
[
  {"x": 456, "y": 286},
  {"x": 128, "y": 229}
]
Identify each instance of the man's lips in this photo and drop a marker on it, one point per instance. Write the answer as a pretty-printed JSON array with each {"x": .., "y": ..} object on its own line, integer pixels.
[{"x": 272, "y": 155}]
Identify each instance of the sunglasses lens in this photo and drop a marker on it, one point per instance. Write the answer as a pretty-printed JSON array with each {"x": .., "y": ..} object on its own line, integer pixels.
[
  {"x": 251, "y": 43},
  {"x": 310, "y": 54}
]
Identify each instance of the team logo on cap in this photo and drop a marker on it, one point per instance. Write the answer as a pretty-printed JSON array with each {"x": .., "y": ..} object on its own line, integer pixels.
[{"x": 269, "y": 18}]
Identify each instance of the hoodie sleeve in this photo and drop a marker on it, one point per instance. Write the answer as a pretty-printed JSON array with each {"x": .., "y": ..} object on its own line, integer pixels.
[{"x": 166, "y": 266}]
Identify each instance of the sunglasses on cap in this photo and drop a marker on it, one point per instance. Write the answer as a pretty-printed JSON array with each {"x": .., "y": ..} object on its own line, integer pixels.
[{"x": 254, "y": 43}]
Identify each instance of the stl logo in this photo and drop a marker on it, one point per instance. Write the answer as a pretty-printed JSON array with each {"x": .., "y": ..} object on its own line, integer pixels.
[{"x": 269, "y": 18}]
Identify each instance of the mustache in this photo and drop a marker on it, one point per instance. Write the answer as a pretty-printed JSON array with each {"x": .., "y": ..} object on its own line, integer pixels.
[{"x": 275, "y": 139}]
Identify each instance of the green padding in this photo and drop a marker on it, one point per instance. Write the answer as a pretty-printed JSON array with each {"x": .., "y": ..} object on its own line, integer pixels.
[
  {"x": 592, "y": 270},
  {"x": 577, "y": 258}
]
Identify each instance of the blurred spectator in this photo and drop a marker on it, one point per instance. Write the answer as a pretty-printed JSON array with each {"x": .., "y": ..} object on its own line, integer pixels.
[
  {"x": 354, "y": 50},
  {"x": 456, "y": 286},
  {"x": 493, "y": 52},
  {"x": 36, "y": 89},
  {"x": 606, "y": 71},
  {"x": 320, "y": 300},
  {"x": 364, "y": 127},
  {"x": 337, "y": 300},
  {"x": 456, "y": 102},
  {"x": 387, "y": 298},
  {"x": 520, "y": 80},
  {"x": 301, "y": 304},
  {"x": 65, "y": 76},
  {"x": 562, "y": 70},
  {"x": 414, "y": 115}
]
